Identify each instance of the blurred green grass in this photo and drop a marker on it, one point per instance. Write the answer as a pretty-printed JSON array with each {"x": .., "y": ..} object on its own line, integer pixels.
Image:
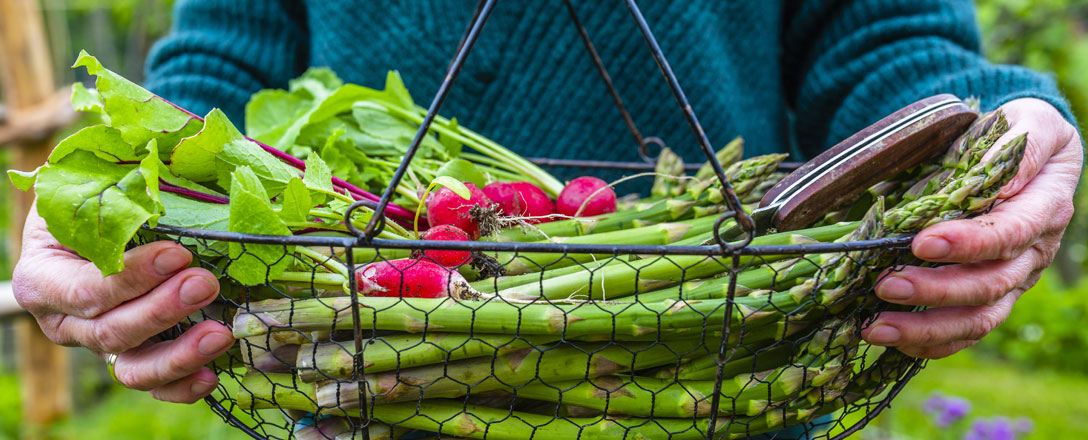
[
  {"x": 1053, "y": 400},
  {"x": 120, "y": 414},
  {"x": 130, "y": 414},
  {"x": 126, "y": 414}
]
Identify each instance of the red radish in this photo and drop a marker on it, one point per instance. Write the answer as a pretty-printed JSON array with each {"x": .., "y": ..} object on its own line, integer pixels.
[
  {"x": 446, "y": 233},
  {"x": 575, "y": 193},
  {"x": 445, "y": 207},
  {"x": 521, "y": 199},
  {"x": 409, "y": 279}
]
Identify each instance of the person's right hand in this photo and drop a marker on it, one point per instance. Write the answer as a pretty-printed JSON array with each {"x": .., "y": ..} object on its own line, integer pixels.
[{"x": 76, "y": 306}]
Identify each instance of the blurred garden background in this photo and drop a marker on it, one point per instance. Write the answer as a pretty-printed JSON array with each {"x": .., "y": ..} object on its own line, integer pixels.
[{"x": 1030, "y": 375}]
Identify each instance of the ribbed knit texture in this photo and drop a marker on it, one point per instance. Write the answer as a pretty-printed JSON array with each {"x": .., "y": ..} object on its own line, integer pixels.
[{"x": 780, "y": 73}]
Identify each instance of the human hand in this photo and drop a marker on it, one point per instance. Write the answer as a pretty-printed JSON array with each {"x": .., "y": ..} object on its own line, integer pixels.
[
  {"x": 76, "y": 306},
  {"x": 998, "y": 255}
]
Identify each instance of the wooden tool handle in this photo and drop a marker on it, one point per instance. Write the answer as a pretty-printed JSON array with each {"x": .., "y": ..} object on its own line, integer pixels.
[{"x": 895, "y": 146}]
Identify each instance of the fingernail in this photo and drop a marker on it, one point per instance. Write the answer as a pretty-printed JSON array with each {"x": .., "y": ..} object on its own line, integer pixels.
[
  {"x": 200, "y": 388},
  {"x": 933, "y": 248},
  {"x": 213, "y": 343},
  {"x": 171, "y": 260},
  {"x": 884, "y": 335},
  {"x": 196, "y": 290},
  {"x": 895, "y": 289}
]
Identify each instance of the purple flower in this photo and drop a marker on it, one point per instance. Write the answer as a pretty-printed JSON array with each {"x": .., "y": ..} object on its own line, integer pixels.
[
  {"x": 1024, "y": 425},
  {"x": 980, "y": 430},
  {"x": 933, "y": 404},
  {"x": 1001, "y": 429},
  {"x": 946, "y": 410},
  {"x": 998, "y": 428},
  {"x": 954, "y": 409}
]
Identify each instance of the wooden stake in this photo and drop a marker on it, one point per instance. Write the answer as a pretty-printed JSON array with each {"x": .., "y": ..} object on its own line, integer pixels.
[{"x": 43, "y": 376}]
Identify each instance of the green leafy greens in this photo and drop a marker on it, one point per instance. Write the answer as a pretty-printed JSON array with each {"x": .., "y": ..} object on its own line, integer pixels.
[
  {"x": 101, "y": 184},
  {"x": 151, "y": 161},
  {"x": 363, "y": 133}
]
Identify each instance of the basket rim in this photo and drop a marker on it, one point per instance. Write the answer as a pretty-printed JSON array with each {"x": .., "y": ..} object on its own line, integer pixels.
[{"x": 348, "y": 242}]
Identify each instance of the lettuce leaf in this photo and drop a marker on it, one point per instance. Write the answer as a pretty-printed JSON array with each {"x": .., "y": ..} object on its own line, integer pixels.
[
  {"x": 101, "y": 184},
  {"x": 95, "y": 206},
  {"x": 139, "y": 114}
]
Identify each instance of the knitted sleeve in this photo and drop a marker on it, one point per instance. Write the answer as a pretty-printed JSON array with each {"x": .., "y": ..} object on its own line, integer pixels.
[
  {"x": 847, "y": 63},
  {"x": 219, "y": 52}
]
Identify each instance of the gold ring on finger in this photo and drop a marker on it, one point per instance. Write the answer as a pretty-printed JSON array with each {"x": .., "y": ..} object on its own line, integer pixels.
[{"x": 111, "y": 365}]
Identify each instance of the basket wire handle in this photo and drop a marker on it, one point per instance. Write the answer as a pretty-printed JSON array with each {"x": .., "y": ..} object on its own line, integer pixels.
[
  {"x": 728, "y": 194},
  {"x": 643, "y": 150}
]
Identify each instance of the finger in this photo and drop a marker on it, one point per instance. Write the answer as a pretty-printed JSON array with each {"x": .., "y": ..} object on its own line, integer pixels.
[
  {"x": 188, "y": 389},
  {"x": 133, "y": 322},
  {"x": 1047, "y": 131},
  {"x": 1045, "y": 205},
  {"x": 939, "y": 326},
  {"x": 66, "y": 283},
  {"x": 936, "y": 352},
  {"x": 968, "y": 284},
  {"x": 155, "y": 365}
]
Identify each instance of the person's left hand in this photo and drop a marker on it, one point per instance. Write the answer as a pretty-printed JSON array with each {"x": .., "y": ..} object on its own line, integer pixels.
[{"x": 999, "y": 254}]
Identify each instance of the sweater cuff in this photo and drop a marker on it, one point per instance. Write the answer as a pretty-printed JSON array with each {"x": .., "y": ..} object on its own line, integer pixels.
[
  {"x": 1020, "y": 82},
  {"x": 997, "y": 85}
]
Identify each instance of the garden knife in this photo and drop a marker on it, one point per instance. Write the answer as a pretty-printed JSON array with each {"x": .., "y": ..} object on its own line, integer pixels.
[{"x": 897, "y": 142}]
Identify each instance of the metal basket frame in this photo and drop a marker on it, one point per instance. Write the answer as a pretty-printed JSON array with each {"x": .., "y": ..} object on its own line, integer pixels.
[{"x": 365, "y": 238}]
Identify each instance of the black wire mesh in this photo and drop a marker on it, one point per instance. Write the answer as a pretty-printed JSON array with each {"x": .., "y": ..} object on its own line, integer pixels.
[
  {"x": 646, "y": 361},
  {"x": 554, "y": 340}
]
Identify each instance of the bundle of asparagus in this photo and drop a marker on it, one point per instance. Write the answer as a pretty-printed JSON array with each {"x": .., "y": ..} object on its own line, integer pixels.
[{"x": 608, "y": 346}]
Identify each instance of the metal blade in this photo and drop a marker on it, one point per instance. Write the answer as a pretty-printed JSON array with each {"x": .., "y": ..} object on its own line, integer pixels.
[{"x": 762, "y": 217}]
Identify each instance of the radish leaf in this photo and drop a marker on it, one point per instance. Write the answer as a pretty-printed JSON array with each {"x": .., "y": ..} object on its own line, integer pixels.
[
  {"x": 296, "y": 201},
  {"x": 463, "y": 171},
  {"x": 454, "y": 185},
  {"x": 194, "y": 158},
  {"x": 104, "y": 142},
  {"x": 24, "y": 180},
  {"x": 189, "y": 213},
  {"x": 270, "y": 112},
  {"x": 318, "y": 176},
  {"x": 252, "y": 213}
]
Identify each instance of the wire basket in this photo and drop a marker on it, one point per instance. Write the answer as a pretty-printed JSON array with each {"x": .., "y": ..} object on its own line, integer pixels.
[{"x": 652, "y": 341}]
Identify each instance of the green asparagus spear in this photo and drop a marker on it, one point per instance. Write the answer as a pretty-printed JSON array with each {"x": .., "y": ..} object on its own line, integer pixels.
[{"x": 332, "y": 360}]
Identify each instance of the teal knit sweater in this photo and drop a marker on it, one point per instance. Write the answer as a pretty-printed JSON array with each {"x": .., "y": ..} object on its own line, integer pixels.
[{"x": 789, "y": 76}]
